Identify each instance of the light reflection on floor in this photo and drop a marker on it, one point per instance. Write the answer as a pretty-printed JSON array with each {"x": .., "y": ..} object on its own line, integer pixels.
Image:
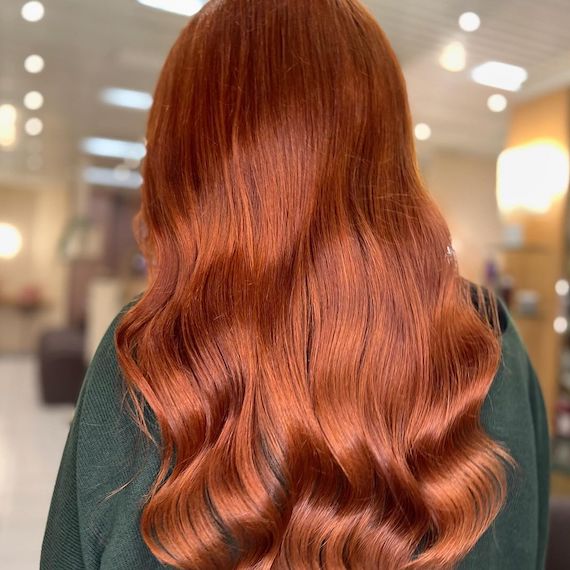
[{"x": 32, "y": 437}]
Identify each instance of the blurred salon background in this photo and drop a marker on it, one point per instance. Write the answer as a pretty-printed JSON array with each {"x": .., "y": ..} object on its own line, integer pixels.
[{"x": 489, "y": 84}]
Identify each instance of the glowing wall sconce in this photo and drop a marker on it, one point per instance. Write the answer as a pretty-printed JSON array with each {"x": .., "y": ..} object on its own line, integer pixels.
[
  {"x": 8, "y": 116},
  {"x": 532, "y": 176},
  {"x": 10, "y": 241}
]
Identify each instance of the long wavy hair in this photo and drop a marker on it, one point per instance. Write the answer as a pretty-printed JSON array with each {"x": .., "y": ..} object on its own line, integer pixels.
[{"x": 313, "y": 361}]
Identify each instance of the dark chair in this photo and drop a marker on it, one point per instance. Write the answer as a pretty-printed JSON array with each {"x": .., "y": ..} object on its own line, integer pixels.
[
  {"x": 558, "y": 555},
  {"x": 62, "y": 365}
]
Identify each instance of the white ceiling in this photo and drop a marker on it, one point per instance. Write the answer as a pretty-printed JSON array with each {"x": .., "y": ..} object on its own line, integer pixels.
[
  {"x": 92, "y": 44},
  {"x": 534, "y": 34}
]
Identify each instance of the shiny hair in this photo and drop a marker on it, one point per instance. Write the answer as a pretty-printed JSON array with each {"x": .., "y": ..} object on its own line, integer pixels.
[{"x": 313, "y": 361}]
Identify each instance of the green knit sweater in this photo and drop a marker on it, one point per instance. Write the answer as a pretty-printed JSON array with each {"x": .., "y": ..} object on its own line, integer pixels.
[{"x": 89, "y": 528}]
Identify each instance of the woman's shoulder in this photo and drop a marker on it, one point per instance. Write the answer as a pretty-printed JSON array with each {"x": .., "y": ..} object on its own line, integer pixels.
[
  {"x": 515, "y": 365},
  {"x": 103, "y": 382},
  {"x": 477, "y": 291},
  {"x": 115, "y": 463},
  {"x": 104, "y": 402},
  {"x": 514, "y": 414},
  {"x": 103, "y": 370},
  {"x": 516, "y": 375},
  {"x": 103, "y": 405}
]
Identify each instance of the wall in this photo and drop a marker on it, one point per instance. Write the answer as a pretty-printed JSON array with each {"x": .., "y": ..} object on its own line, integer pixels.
[
  {"x": 40, "y": 213},
  {"x": 540, "y": 263},
  {"x": 463, "y": 185}
]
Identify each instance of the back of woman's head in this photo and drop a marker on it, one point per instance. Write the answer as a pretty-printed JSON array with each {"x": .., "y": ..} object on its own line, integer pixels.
[{"x": 310, "y": 354}]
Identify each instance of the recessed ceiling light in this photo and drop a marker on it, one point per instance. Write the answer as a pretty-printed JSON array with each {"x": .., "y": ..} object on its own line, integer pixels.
[
  {"x": 34, "y": 127},
  {"x": 34, "y": 63},
  {"x": 497, "y": 103},
  {"x": 182, "y": 7},
  {"x": 422, "y": 132},
  {"x": 453, "y": 57},
  {"x": 33, "y": 100},
  {"x": 33, "y": 11},
  {"x": 469, "y": 22},
  {"x": 98, "y": 176},
  {"x": 8, "y": 116},
  {"x": 113, "y": 148},
  {"x": 500, "y": 75},
  {"x": 128, "y": 98}
]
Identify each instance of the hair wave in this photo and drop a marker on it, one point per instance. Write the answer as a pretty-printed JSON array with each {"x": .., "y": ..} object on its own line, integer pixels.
[{"x": 306, "y": 345}]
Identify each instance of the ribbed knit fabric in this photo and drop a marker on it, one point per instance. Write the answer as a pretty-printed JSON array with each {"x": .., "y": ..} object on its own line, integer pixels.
[{"x": 106, "y": 470}]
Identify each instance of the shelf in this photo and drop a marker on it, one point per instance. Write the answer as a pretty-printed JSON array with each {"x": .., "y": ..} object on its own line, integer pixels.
[
  {"x": 524, "y": 317},
  {"x": 529, "y": 248}
]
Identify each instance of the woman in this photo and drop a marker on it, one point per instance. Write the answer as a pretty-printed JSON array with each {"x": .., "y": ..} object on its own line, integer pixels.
[{"x": 307, "y": 382}]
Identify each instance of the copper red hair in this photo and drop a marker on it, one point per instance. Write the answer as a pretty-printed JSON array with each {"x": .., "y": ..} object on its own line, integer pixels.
[{"x": 308, "y": 350}]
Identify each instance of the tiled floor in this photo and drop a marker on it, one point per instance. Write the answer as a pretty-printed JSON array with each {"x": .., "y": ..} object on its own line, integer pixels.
[{"x": 32, "y": 437}]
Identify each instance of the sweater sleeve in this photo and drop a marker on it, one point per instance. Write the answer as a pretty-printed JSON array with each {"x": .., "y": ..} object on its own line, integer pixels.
[
  {"x": 105, "y": 473},
  {"x": 542, "y": 442},
  {"x": 61, "y": 548},
  {"x": 94, "y": 464}
]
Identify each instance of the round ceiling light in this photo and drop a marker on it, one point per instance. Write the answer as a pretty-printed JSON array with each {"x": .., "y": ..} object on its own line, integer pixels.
[
  {"x": 33, "y": 11},
  {"x": 454, "y": 57},
  {"x": 34, "y": 127},
  {"x": 469, "y": 22},
  {"x": 34, "y": 63},
  {"x": 497, "y": 103},
  {"x": 33, "y": 100},
  {"x": 422, "y": 131}
]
